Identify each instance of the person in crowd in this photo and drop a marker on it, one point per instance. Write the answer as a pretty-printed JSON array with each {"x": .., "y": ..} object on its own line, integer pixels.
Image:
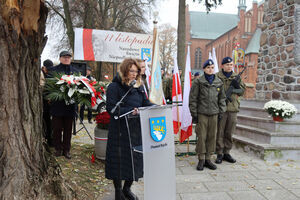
[
  {"x": 169, "y": 85},
  {"x": 228, "y": 122},
  {"x": 143, "y": 76},
  {"x": 62, "y": 114},
  {"x": 82, "y": 107},
  {"x": 47, "y": 65},
  {"x": 207, "y": 103},
  {"x": 196, "y": 75},
  {"x": 118, "y": 151}
]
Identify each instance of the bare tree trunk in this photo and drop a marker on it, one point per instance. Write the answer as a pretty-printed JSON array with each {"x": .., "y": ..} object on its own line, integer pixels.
[
  {"x": 181, "y": 36},
  {"x": 68, "y": 23},
  {"x": 26, "y": 168}
]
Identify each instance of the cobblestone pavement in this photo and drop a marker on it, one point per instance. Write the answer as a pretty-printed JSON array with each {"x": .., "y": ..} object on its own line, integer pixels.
[{"x": 249, "y": 178}]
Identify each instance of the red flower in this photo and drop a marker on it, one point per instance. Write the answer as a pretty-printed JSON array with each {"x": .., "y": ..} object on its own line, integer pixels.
[
  {"x": 93, "y": 158},
  {"x": 103, "y": 120}
]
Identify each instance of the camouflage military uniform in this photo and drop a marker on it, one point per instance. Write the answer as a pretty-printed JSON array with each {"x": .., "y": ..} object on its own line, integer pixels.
[
  {"x": 228, "y": 122},
  {"x": 206, "y": 102},
  {"x": 168, "y": 87}
]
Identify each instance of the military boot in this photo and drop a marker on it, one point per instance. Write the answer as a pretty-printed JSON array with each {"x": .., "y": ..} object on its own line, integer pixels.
[
  {"x": 210, "y": 165},
  {"x": 219, "y": 158},
  {"x": 228, "y": 158},
  {"x": 200, "y": 165}
]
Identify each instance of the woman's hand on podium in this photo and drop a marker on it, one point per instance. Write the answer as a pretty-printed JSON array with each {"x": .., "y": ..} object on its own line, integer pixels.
[{"x": 135, "y": 111}]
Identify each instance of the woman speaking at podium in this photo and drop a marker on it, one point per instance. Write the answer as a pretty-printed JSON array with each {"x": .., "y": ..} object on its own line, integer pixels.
[{"x": 125, "y": 94}]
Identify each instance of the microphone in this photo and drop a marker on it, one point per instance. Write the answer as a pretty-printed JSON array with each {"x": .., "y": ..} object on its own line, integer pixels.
[{"x": 132, "y": 83}]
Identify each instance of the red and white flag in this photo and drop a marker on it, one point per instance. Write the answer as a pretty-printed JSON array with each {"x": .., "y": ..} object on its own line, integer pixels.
[
  {"x": 186, "y": 117},
  {"x": 176, "y": 97}
]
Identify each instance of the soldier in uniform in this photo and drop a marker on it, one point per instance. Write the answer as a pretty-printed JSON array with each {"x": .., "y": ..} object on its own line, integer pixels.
[
  {"x": 207, "y": 103},
  {"x": 169, "y": 85},
  {"x": 228, "y": 122}
]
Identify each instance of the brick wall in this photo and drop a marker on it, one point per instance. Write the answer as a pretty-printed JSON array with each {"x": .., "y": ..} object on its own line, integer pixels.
[{"x": 278, "y": 73}]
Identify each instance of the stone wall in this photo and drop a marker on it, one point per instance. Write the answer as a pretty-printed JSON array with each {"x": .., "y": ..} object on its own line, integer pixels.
[{"x": 278, "y": 67}]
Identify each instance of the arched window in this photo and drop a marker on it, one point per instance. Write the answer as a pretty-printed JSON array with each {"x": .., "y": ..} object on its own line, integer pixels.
[
  {"x": 248, "y": 22},
  {"x": 198, "y": 58},
  {"x": 260, "y": 15}
]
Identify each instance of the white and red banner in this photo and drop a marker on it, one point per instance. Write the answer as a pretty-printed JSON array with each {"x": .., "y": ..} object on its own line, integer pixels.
[
  {"x": 111, "y": 46},
  {"x": 176, "y": 97},
  {"x": 186, "y": 117}
]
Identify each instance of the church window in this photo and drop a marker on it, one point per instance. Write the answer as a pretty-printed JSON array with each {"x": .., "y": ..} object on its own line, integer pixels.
[
  {"x": 260, "y": 15},
  {"x": 198, "y": 58},
  {"x": 248, "y": 23}
]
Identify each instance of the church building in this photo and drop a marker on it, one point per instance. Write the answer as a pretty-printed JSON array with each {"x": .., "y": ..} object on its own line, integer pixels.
[{"x": 205, "y": 31}]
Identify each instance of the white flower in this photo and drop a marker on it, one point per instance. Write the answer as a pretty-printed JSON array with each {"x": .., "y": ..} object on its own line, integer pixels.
[{"x": 280, "y": 108}]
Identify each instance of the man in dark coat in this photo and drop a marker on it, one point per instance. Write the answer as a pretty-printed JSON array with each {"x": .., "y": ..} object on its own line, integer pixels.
[
  {"x": 82, "y": 107},
  {"x": 62, "y": 114},
  {"x": 135, "y": 98},
  {"x": 47, "y": 65}
]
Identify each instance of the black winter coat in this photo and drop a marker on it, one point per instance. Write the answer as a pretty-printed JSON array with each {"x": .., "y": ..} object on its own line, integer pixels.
[
  {"x": 136, "y": 98},
  {"x": 59, "y": 108}
]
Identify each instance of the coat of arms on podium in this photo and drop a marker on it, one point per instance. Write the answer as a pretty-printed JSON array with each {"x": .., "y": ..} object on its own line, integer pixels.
[{"x": 158, "y": 128}]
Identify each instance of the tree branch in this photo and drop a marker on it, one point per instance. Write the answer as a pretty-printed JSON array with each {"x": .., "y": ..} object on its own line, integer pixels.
[{"x": 54, "y": 9}]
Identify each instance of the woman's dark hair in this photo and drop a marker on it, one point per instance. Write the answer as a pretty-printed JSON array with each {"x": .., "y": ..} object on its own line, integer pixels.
[{"x": 125, "y": 67}]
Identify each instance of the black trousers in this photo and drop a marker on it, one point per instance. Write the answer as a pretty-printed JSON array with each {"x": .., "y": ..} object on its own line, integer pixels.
[
  {"x": 82, "y": 107},
  {"x": 62, "y": 133}
]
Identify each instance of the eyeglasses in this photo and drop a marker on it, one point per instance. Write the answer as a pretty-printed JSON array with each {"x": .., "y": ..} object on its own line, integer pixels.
[{"x": 134, "y": 71}]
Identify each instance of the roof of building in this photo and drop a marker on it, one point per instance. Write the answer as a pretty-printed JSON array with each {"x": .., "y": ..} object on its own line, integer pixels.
[
  {"x": 253, "y": 45},
  {"x": 211, "y": 25}
]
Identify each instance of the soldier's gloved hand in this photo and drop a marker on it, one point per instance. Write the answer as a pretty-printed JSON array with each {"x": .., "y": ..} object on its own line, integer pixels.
[
  {"x": 235, "y": 84},
  {"x": 220, "y": 116},
  {"x": 194, "y": 120}
]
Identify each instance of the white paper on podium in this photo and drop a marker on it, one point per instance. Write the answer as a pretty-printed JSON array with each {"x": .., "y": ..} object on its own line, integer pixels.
[{"x": 159, "y": 157}]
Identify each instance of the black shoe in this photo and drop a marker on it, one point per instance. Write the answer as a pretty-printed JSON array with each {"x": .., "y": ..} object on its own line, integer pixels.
[
  {"x": 200, "y": 165},
  {"x": 219, "y": 158},
  {"x": 129, "y": 195},
  {"x": 210, "y": 165},
  {"x": 90, "y": 122},
  {"x": 67, "y": 155},
  {"x": 228, "y": 158}
]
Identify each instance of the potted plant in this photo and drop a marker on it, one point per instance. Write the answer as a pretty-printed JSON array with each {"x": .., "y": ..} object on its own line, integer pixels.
[
  {"x": 280, "y": 110},
  {"x": 101, "y": 132}
]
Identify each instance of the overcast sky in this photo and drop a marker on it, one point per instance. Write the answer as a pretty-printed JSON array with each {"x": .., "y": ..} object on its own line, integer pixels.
[{"x": 168, "y": 13}]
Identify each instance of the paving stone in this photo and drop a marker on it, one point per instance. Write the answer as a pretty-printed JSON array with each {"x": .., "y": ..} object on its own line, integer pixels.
[
  {"x": 228, "y": 167},
  {"x": 190, "y": 188},
  {"x": 265, "y": 174},
  {"x": 206, "y": 196},
  {"x": 194, "y": 178},
  {"x": 246, "y": 195},
  {"x": 296, "y": 192},
  {"x": 290, "y": 174},
  {"x": 289, "y": 183},
  {"x": 278, "y": 195},
  {"x": 227, "y": 186},
  {"x": 190, "y": 170},
  {"x": 232, "y": 176},
  {"x": 182, "y": 163},
  {"x": 178, "y": 171},
  {"x": 264, "y": 184}
]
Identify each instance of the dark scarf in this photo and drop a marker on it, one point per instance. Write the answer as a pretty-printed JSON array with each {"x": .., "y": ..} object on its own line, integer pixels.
[
  {"x": 209, "y": 78},
  {"x": 227, "y": 74}
]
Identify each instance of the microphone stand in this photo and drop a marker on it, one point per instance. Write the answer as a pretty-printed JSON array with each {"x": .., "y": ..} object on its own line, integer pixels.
[{"x": 118, "y": 105}]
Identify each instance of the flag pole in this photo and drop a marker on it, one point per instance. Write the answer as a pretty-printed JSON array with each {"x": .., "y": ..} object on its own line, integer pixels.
[{"x": 155, "y": 14}]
